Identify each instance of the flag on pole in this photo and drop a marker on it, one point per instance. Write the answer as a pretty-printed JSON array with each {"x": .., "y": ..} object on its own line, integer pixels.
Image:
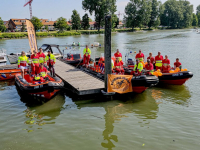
[{"x": 31, "y": 36}]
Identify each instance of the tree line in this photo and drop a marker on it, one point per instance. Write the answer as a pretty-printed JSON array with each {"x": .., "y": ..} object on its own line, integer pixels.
[{"x": 138, "y": 13}]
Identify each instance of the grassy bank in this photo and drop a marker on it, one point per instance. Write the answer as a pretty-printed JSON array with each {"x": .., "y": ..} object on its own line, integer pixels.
[{"x": 11, "y": 35}]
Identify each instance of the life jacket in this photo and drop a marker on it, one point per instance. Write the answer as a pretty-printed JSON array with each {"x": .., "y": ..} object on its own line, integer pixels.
[
  {"x": 158, "y": 60},
  {"x": 165, "y": 62},
  {"x": 87, "y": 52},
  {"x": 140, "y": 57},
  {"x": 35, "y": 59},
  {"x": 22, "y": 61},
  {"x": 50, "y": 60},
  {"x": 118, "y": 65},
  {"x": 41, "y": 57},
  {"x": 138, "y": 67},
  {"x": 37, "y": 78},
  {"x": 149, "y": 67},
  {"x": 118, "y": 55},
  {"x": 43, "y": 72}
]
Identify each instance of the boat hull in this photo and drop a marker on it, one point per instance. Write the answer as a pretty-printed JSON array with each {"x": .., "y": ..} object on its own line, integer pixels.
[
  {"x": 9, "y": 74},
  {"x": 178, "y": 78},
  {"x": 44, "y": 90}
]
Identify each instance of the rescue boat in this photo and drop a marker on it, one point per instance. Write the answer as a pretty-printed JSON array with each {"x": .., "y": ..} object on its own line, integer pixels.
[
  {"x": 46, "y": 89},
  {"x": 139, "y": 83},
  {"x": 176, "y": 78},
  {"x": 8, "y": 74}
]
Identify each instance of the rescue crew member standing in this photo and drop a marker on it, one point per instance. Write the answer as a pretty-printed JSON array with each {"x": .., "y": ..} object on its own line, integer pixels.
[
  {"x": 177, "y": 64},
  {"x": 158, "y": 61},
  {"x": 152, "y": 60},
  {"x": 149, "y": 67},
  {"x": 35, "y": 63},
  {"x": 118, "y": 66},
  {"x": 22, "y": 62},
  {"x": 165, "y": 65},
  {"x": 86, "y": 55},
  {"x": 51, "y": 60},
  {"x": 41, "y": 56},
  {"x": 118, "y": 55},
  {"x": 137, "y": 68},
  {"x": 140, "y": 57}
]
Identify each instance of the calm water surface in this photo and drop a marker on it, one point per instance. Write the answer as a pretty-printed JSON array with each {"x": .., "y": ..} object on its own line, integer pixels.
[{"x": 164, "y": 118}]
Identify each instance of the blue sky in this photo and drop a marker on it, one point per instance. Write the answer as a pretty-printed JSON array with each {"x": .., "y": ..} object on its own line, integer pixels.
[{"x": 53, "y": 9}]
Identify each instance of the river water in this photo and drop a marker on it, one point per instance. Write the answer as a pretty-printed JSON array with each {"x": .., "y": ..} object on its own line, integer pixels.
[{"x": 164, "y": 117}]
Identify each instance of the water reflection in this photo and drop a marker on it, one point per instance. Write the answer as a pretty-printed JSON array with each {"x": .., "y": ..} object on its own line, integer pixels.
[
  {"x": 40, "y": 115},
  {"x": 143, "y": 106},
  {"x": 176, "y": 94},
  {"x": 5, "y": 84}
]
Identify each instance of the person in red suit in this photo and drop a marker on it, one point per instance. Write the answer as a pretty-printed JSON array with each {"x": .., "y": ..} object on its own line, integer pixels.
[
  {"x": 42, "y": 72},
  {"x": 41, "y": 56},
  {"x": 165, "y": 65},
  {"x": 35, "y": 63},
  {"x": 140, "y": 56},
  {"x": 149, "y": 67},
  {"x": 177, "y": 63},
  {"x": 152, "y": 60},
  {"x": 118, "y": 55},
  {"x": 158, "y": 61},
  {"x": 118, "y": 66}
]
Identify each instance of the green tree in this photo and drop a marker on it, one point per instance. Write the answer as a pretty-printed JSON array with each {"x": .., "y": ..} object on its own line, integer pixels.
[
  {"x": 76, "y": 20},
  {"x": 198, "y": 17},
  {"x": 90, "y": 20},
  {"x": 46, "y": 28},
  {"x": 36, "y": 23},
  {"x": 198, "y": 9},
  {"x": 114, "y": 21},
  {"x": 61, "y": 24},
  {"x": 155, "y": 14},
  {"x": 195, "y": 20},
  {"x": 2, "y": 26},
  {"x": 177, "y": 14},
  {"x": 138, "y": 13},
  {"x": 100, "y": 8},
  {"x": 23, "y": 27},
  {"x": 85, "y": 22}
]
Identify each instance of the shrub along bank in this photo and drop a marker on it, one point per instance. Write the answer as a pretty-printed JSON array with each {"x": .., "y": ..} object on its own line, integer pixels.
[{"x": 53, "y": 33}]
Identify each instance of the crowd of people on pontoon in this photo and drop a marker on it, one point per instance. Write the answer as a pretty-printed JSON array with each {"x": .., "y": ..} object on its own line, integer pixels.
[
  {"x": 152, "y": 63},
  {"x": 38, "y": 70}
]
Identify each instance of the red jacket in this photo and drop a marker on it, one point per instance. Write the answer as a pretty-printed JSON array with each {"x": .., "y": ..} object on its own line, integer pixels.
[
  {"x": 118, "y": 54},
  {"x": 149, "y": 66},
  {"x": 42, "y": 70},
  {"x": 35, "y": 57},
  {"x": 177, "y": 64},
  {"x": 159, "y": 57},
  {"x": 139, "y": 56},
  {"x": 118, "y": 65},
  {"x": 151, "y": 59},
  {"x": 41, "y": 56},
  {"x": 166, "y": 63}
]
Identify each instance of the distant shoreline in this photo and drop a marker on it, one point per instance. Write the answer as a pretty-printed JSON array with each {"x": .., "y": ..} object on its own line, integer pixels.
[{"x": 20, "y": 35}]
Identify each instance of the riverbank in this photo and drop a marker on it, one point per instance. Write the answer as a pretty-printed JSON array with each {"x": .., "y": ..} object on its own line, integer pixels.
[{"x": 13, "y": 35}]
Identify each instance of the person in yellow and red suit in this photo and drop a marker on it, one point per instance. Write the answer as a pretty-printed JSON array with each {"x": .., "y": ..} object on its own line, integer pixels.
[
  {"x": 51, "y": 60},
  {"x": 137, "y": 68},
  {"x": 140, "y": 57},
  {"x": 41, "y": 56},
  {"x": 42, "y": 72},
  {"x": 166, "y": 65},
  {"x": 22, "y": 62},
  {"x": 86, "y": 55},
  {"x": 158, "y": 61},
  {"x": 149, "y": 67},
  {"x": 118, "y": 55},
  {"x": 35, "y": 63},
  {"x": 118, "y": 66}
]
